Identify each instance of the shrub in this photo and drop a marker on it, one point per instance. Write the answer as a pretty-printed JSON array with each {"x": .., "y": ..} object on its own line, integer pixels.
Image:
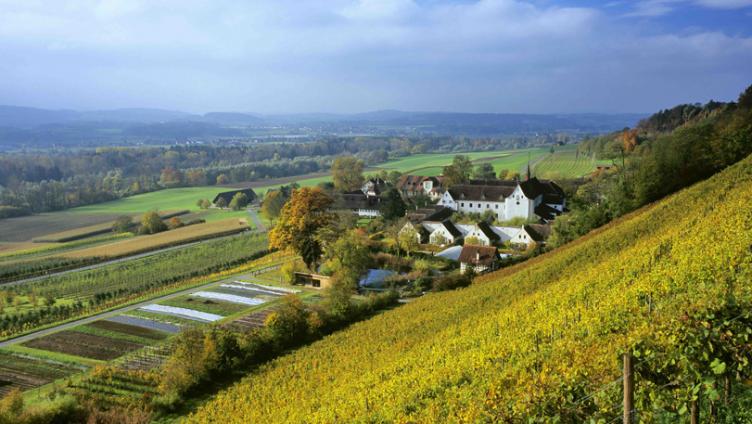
[{"x": 452, "y": 281}]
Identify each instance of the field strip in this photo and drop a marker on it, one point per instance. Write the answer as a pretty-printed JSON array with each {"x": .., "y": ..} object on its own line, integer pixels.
[
  {"x": 114, "y": 261},
  {"x": 103, "y": 315}
]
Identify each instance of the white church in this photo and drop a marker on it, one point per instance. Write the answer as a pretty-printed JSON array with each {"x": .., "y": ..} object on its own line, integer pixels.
[{"x": 530, "y": 199}]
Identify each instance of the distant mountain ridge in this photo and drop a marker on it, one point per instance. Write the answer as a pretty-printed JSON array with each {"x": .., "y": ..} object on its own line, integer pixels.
[{"x": 34, "y": 127}]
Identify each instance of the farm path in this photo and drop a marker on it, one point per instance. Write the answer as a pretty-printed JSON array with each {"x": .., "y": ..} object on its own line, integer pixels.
[
  {"x": 118, "y": 311},
  {"x": 114, "y": 261},
  {"x": 257, "y": 223}
]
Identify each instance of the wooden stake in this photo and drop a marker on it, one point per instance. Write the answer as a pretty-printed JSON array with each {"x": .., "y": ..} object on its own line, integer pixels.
[
  {"x": 628, "y": 389},
  {"x": 694, "y": 411}
]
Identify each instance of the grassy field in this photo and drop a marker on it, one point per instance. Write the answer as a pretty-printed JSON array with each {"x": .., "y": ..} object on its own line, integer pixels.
[
  {"x": 540, "y": 341},
  {"x": 566, "y": 162},
  {"x": 164, "y": 239},
  {"x": 432, "y": 164}
]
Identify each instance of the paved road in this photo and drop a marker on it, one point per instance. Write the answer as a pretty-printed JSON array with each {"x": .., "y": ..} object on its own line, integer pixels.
[
  {"x": 114, "y": 261},
  {"x": 118, "y": 311}
]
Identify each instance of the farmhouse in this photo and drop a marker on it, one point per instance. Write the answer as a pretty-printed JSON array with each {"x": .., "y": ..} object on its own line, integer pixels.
[
  {"x": 532, "y": 234},
  {"x": 445, "y": 232},
  {"x": 442, "y": 233},
  {"x": 228, "y": 195},
  {"x": 528, "y": 199},
  {"x": 436, "y": 213},
  {"x": 414, "y": 185},
  {"x": 478, "y": 258},
  {"x": 361, "y": 203},
  {"x": 374, "y": 186},
  {"x": 482, "y": 232}
]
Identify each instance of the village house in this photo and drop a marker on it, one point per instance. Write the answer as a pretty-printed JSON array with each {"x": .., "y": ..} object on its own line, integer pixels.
[
  {"x": 445, "y": 232},
  {"x": 414, "y": 185},
  {"x": 478, "y": 258},
  {"x": 530, "y": 199},
  {"x": 374, "y": 186},
  {"x": 361, "y": 203},
  {"x": 532, "y": 234}
]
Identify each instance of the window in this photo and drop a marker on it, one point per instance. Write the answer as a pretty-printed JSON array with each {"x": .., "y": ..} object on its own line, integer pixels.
[
  {"x": 497, "y": 206},
  {"x": 471, "y": 205},
  {"x": 463, "y": 204},
  {"x": 487, "y": 206}
]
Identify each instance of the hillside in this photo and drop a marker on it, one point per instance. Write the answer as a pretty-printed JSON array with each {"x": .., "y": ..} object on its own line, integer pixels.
[{"x": 542, "y": 339}]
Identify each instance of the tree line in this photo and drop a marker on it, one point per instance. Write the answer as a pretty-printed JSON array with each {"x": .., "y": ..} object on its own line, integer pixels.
[{"x": 651, "y": 164}]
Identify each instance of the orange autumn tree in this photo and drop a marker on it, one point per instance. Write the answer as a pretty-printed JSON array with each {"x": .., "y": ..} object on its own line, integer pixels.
[{"x": 301, "y": 218}]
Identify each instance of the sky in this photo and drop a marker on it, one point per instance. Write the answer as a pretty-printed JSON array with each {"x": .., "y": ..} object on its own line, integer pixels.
[{"x": 348, "y": 56}]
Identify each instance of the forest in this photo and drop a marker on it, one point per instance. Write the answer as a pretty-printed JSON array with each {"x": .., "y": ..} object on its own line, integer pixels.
[{"x": 42, "y": 181}]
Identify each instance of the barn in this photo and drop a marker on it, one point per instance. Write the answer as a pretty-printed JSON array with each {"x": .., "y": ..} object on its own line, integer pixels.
[{"x": 228, "y": 195}]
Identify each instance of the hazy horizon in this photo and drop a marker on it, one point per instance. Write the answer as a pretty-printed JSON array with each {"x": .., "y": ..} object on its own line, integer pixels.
[{"x": 343, "y": 56}]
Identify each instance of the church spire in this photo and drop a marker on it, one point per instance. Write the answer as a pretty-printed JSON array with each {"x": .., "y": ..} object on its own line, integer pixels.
[{"x": 528, "y": 166}]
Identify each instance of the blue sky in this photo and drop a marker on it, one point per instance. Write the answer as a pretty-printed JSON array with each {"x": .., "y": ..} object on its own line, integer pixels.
[{"x": 272, "y": 56}]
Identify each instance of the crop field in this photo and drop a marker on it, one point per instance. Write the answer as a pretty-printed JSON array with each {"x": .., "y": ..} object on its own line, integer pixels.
[
  {"x": 567, "y": 163},
  {"x": 27, "y": 372},
  {"x": 540, "y": 340},
  {"x": 433, "y": 164},
  {"x": 85, "y": 345},
  {"x": 211, "y": 306},
  {"x": 164, "y": 239},
  {"x": 26, "y": 228},
  {"x": 28, "y": 250},
  {"x": 133, "y": 330},
  {"x": 10, "y": 248},
  {"x": 114, "y": 386},
  {"x": 142, "y": 324},
  {"x": 80, "y": 293}
]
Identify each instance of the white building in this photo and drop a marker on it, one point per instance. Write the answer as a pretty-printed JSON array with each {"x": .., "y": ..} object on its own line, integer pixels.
[
  {"x": 445, "y": 233},
  {"x": 531, "y": 199}
]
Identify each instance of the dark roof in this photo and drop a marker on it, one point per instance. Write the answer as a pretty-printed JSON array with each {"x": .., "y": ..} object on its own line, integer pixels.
[
  {"x": 546, "y": 212},
  {"x": 358, "y": 200},
  {"x": 498, "y": 190},
  {"x": 451, "y": 228},
  {"x": 436, "y": 213},
  {"x": 478, "y": 255},
  {"x": 486, "y": 229},
  {"x": 486, "y": 192},
  {"x": 550, "y": 190},
  {"x": 228, "y": 195},
  {"x": 538, "y": 232}
]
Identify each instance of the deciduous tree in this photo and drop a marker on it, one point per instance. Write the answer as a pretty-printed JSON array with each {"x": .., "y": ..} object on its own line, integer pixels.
[
  {"x": 302, "y": 216},
  {"x": 458, "y": 172},
  {"x": 347, "y": 173}
]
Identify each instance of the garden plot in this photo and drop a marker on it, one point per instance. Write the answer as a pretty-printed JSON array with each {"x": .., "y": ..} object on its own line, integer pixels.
[
  {"x": 251, "y": 321},
  {"x": 147, "y": 358},
  {"x": 232, "y": 298},
  {"x": 131, "y": 330},
  {"x": 144, "y": 323},
  {"x": 83, "y": 345},
  {"x": 182, "y": 312},
  {"x": 279, "y": 291},
  {"x": 25, "y": 372}
]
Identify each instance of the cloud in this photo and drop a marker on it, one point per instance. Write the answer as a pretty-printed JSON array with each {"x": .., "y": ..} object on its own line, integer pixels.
[
  {"x": 654, "y": 8},
  {"x": 348, "y": 55}
]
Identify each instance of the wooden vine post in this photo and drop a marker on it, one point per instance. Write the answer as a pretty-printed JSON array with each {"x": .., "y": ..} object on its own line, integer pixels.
[{"x": 628, "y": 389}]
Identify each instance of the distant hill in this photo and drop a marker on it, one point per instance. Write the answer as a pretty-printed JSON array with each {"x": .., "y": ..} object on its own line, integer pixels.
[
  {"x": 670, "y": 119},
  {"x": 34, "y": 127},
  {"x": 536, "y": 342},
  {"x": 232, "y": 118}
]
